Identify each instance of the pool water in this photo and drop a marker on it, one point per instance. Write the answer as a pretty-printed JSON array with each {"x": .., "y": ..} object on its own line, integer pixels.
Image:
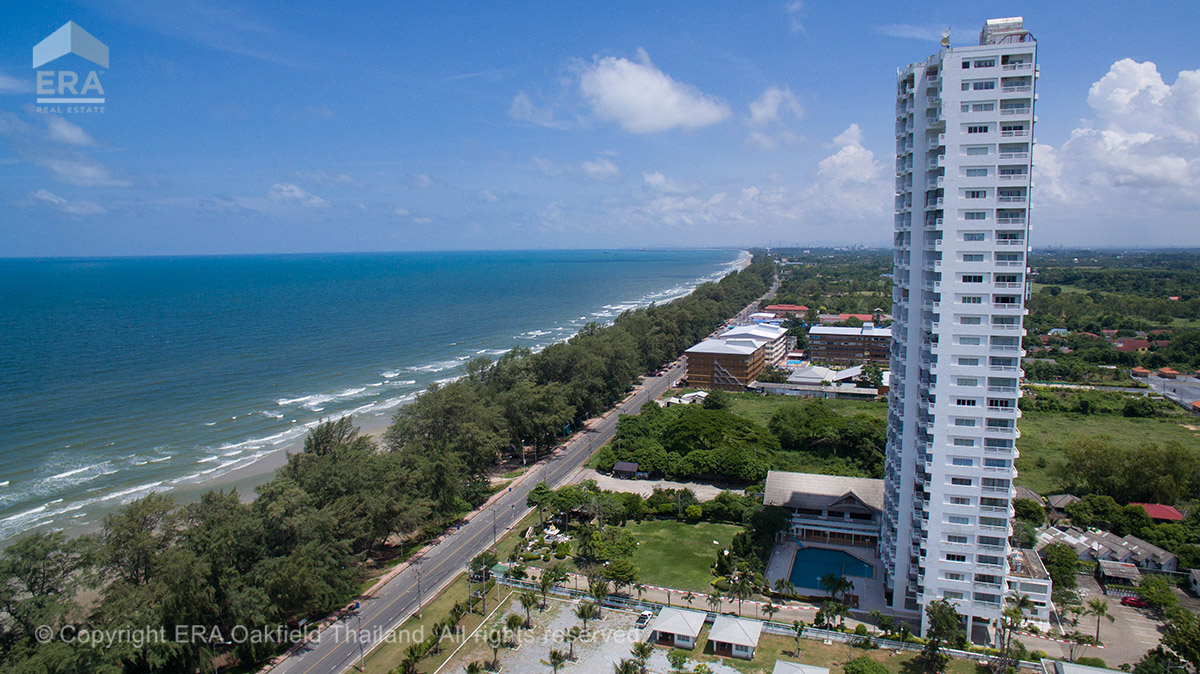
[{"x": 811, "y": 564}]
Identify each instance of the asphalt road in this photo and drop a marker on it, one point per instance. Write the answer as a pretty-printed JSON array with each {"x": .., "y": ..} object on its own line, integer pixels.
[{"x": 337, "y": 650}]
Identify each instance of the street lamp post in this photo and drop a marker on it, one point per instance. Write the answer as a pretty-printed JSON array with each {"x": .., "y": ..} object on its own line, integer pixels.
[
  {"x": 362, "y": 667},
  {"x": 419, "y": 602}
]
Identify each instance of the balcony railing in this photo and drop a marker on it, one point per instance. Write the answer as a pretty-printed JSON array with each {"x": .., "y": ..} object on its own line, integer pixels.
[
  {"x": 1015, "y": 88},
  {"x": 1015, "y": 111},
  {"x": 1014, "y": 176},
  {"x": 1019, "y": 199},
  {"x": 1014, "y": 155},
  {"x": 1011, "y": 242},
  {"x": 1017, "y": 66},
  {"x": 1015, "y": 132}
]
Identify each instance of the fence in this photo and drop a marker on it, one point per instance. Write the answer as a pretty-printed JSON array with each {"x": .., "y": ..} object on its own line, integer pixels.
[{"x": 777, "y": 628}]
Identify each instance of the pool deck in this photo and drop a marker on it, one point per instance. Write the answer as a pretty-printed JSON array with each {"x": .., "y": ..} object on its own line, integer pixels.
[{"x": 869, "y": 590}]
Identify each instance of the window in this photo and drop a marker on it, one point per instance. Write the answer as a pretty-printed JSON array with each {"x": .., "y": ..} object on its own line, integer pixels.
[
  {"x": 964, "y": 402},
  {"x": 978, "y": 150},
  {"x": 952, "y": 594},
  {"x": 954, "y": 557},
  {"x": 964, "y": 423},
  {"x": 966, "y": 381},
  {"x": 974, "y": 236},
  {"x": 972, "y": 278},
  {"x": 969, "y": 341},
  {"x": 960, "y": 500},
  {"x": 961, "y": 481},
  {"x": 972, "y": 257},
  {"x": 976, "y": 194},
  {"x": 986, "y": 85},
  {"x": 959, "y": 461},
  {"x": 958, "y": 519},
  {"x": 989, "y": 560},
  {"x": 966, "y": 65},
  {"x": 977, "y": 173},
  {"x": 985, "y": 63},
  {"x": 977, "y": 128},
  {"x": 983, "y": 107},
  {"x": 964, "y": 442},
  {"x": 970, "y": 320},
  {"x": 968, "y": 362},
  {"x": 975, "y": 215},
  {"x": 995, "y": 463}
]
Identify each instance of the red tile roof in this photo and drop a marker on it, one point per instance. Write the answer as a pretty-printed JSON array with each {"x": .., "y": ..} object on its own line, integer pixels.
[
  {"x": 1158, "y": 511},
  {"x": 786, "y": 307},
  {"x": 1132, "y": 344}
]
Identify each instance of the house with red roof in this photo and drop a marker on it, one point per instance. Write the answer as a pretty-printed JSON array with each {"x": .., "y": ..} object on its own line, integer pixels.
[
  {"x": 1167, "y": 372},
  {"x": 788, "y": 309},
  {"x": 1131, "y": 345},
  {"x": 1139, "y": 372},
  {"x": 1161, "y": 513}
]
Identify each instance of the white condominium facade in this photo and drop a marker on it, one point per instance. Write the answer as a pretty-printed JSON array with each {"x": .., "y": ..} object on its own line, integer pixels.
[{"x": 964, "y": 140}]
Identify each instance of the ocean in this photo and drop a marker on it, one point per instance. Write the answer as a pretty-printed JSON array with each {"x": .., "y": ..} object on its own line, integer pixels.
[{"x": 123, "y": 376}]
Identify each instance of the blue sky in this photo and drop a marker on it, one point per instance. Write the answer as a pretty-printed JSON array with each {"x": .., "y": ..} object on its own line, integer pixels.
[{"x": 298, "y": 127}]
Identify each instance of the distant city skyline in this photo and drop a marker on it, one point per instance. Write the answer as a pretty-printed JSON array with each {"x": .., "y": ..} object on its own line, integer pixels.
[{"x": 231, "y": 129}]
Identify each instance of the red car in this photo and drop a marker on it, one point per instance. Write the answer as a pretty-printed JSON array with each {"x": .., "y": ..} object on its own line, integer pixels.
[{"x": 1136, "y": 602}]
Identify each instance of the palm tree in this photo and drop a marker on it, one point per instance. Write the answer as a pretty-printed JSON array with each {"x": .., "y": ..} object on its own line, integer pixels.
[
  {"x": 799, "y": 629},
  {"x": 785, "y": 587},
  {"x": 626, "y": 666},
  {"x": 546, "y": 582},
  {"x": 513, "y": 623},
  {"x": 837, "y": 586},
  {"x": 556, "y": 660},
  {"x": 689, "y": 598},
  {"x": 770, "y": 610},
  {"x": 641, "y": 587},
  {"x": 569, "y": 637},
  {"x": 714, "y": 600},
  {"x": 495, "y": 640},
  {"x": 598, "y": 589},
  {"x": 1098, "y": 607},
  {"x": 585, "y": 612},
  {"x": 475, "y": 667},
  {"x": 528, "y": 601},
  {"x": 741, "y": 589},
  {"x": 641, "y": 653}
]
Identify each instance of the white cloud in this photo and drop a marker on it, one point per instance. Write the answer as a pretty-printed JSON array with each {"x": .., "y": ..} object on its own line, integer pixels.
[
  {"x": 908, "y": 31},
  {"x": 643, "y": 99},
  {"x": 422, "y": 180},
  {"x": 12, "y": 85},
  {"x": 401, "y": 211},
  {"x": 600, "y": 169},
  {"x": 851, "y": 163},
  {"x": 767, "y": 117},
  {"x": 330, "y": 178},
  {"x": 523, "y": 109},
  {"x": 288, "y": 192},
  {"x": 70, "y": 207},
  {"x": 62, "y": 131},
  {"x": 81, "y": 170},
  {"x": 422, "y": 221},
  {"x": 795, "y": 12},
  {"x": 489, "y": 196},
  {"x": 659, "y": 182}
]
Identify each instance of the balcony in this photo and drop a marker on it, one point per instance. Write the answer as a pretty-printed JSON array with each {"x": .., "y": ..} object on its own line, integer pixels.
[
  {"x": 1011, "y": 242},
  {"x": 1013, "y": 176},
  {"x": 1016, "y": 199},
  {"x": 1017, "y": 66},
  {"x": 1014, "y": 155},
  {"x": 1005, "y": 305},
  {"x": 1014, "y": 133},
  {"x": 1012, "y": 112},
  {"x": 1016, "y": 88}
]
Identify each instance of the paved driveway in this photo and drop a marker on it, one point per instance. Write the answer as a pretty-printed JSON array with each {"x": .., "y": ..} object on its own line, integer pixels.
[{"x": 1126, "y": 639}]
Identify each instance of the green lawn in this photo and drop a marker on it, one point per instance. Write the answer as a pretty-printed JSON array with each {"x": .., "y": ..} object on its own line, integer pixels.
[
  {"x": 759, "y": 408},
  {"x": 678, "y": 554},
  {"x": 773, "y": 647},
  {"x": 1045, "y": 434}
]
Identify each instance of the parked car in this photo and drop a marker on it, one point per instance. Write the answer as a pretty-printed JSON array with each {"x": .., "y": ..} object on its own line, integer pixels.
[
  {"x": 1136, "y": 602},
  {"x": 643, "y": 619}
]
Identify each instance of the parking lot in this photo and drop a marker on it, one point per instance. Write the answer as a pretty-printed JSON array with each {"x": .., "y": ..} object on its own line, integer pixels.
[{"x": 1126, "y": 640}]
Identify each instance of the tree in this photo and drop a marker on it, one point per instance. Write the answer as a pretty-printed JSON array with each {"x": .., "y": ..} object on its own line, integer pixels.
[
  {"x": 944, "y": 627},
  {"x": 677, "y": 659},
  {"x": 641, "y": 653},
  {"x": 714, "y": 600},
  {"x": 1011, "y": 618},
  {"x": 495, "y": 641},
  {"x": 1062, "y": 563},
  {"x": 622, "y": 573},
  {"x": 1098, "y": 607},
  {"x": 785, "y": 587},
  {"x": 540, "y": 497},
  {"x": 585, "y": 611},
  {"x": 837, "y": 586},
  {"x": 555, "y": 660},
  {"x": 717, "y": 400},
  {"x": 513, "y": 625},
  {"x": 598, "y": 589},
  {"x": 689, "y": 597},
  {"x": 1182, "y": 635},
  {"x": 528, "y": 601},
  {"x": 741, "y": 588},
  {"x": 798, "y": 628},
  {"x": 1156, "y": 590},
  {"x": 770, "y": 610},
  {"x": 626, "y": 666},
  {"x": 474, "y": 667},
  {"x": 570, "y": 637},
  {"x": 864, "y": 665},
  {"x": 1029, "y": 511}
]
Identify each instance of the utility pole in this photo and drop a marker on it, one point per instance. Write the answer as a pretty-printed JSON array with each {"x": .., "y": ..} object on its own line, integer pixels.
[
  {"x": 362, "y": 667},
  {"x": 419, "y": 602},
  {"x": 493, "y": 528}
]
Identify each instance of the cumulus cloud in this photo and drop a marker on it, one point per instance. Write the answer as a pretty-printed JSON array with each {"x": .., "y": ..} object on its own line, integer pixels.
[
  {"x": 1136, "y": 160},
  {"x": 643, "y": 99},
  {"x": 600, "y": 168},
  {"x": 287, "y": 192},
  {"x": 852, "y": 163},
  {"x": 488, "y": 196},
  {"x": 795, "y": 13},
  {"x": 401, "y": 211},
  {"x": 70, "y": 207},
  {"x": 660, "y": 183},
  {"x": 62, "y": 131},
  {"x": 523, "y": 109},
  {"x": 421, "y": 180},
  {"x": 12, "y": 85},
  {"x": 768, "y": 114}
]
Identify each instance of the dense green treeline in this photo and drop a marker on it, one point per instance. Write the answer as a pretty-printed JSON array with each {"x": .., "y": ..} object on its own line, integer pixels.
[
  {"x": 854, "y": 285},
  {"x": 299, "y": 549}
]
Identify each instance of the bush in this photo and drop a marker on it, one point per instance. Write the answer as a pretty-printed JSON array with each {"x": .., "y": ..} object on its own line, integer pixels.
[
  {"x": 864, "y": 665},
  {"x": 862, "y": 630},
  {"x": 694, "y": 512},
  {"x": 1091, "y": 661}
]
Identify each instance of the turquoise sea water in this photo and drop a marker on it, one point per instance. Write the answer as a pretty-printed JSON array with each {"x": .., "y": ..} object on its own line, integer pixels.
[{"x": 123, "y": 376}]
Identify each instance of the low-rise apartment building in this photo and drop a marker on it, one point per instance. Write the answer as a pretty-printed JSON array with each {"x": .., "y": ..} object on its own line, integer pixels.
[
  {"x": 849, "y": 346},
  {"x": 726, "y": 364}
]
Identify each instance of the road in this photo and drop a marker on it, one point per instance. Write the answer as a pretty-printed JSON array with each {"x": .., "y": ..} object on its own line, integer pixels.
[{"x": 337, "y": 649}]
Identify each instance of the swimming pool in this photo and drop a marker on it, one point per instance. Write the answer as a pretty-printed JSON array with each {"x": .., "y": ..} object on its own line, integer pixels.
[{"x": 810, "y": 564}]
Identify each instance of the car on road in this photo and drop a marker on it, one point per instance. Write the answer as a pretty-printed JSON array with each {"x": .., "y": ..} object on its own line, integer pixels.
[
  {"x": 643, "y": 619},
  {"x": 1136, "y": 602}
]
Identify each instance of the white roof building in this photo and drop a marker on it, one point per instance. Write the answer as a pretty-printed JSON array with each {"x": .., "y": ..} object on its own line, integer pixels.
[
  {"x": 785, "y": 667},
  {"x": 773, "y": 335},
  {"x": 734, "y": 347},
  {"x": 738, "y": 636}
]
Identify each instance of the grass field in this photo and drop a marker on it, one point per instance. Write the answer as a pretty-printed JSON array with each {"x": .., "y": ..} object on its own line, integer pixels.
[
  {"x": 759, "y": 408},
  {"x": 773, "y": 647},
  {"x": 1045, "y": 434},
  {"x": 679, "y": 554}
]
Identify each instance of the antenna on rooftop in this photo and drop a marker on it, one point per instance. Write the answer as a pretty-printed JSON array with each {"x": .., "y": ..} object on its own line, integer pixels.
[{"x": 945, "y": 37}]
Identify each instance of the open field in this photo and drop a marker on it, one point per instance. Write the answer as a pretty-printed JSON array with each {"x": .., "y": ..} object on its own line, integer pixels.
[
  {"x": 773, "y": 647},
  {"x": 678, "y": 554},
  {"x": 1045, "y": 434}
]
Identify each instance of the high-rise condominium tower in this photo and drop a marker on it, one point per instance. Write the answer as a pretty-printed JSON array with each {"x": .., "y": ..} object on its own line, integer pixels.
[{"x": 964, "y": 137}]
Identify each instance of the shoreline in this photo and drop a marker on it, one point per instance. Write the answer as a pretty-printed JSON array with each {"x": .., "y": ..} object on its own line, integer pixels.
[{"x": 245, "y": 478}]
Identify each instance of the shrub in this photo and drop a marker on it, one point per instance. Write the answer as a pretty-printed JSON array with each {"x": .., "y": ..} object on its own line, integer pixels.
[
  {"x": 862, "y": 630},
  {"x": 865, "y": 665},
  {"x": 1091, "y": 661},
  {"x": 694, "y": 512}
]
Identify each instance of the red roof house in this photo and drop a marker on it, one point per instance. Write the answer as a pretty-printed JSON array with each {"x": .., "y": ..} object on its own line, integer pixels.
[
  {"x": 786, "y": 308},
  {"x": 1161, "y": 513},
  {"x": 1129, "y": 345},
  {"x": 1168, "y": 373},
  {"x": 1139, "y": 372}
]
